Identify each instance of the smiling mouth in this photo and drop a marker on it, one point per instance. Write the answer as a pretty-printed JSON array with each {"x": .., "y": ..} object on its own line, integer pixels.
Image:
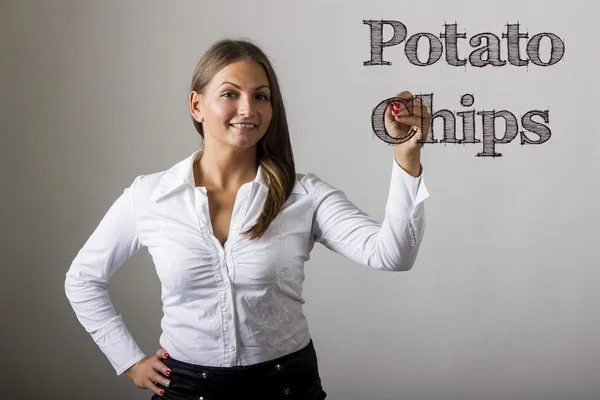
[{"x": 243, "y": 126}]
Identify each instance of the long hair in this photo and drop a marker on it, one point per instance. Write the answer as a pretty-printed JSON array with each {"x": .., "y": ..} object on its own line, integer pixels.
[{"x": 274, "y": 149}]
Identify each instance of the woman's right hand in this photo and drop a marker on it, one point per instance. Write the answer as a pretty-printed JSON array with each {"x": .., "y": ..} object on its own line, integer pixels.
[{"x": 146, "y": 372}]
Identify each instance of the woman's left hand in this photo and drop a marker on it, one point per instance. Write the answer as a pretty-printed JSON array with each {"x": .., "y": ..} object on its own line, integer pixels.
[{"x": 400, "y": 121}]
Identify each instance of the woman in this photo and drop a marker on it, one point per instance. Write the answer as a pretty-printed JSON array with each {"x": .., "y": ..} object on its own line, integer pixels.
[{"x": 229, "y": 229}]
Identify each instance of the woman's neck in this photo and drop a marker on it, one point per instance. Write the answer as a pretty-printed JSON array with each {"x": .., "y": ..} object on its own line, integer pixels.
[{"x": 225, "y": 171}]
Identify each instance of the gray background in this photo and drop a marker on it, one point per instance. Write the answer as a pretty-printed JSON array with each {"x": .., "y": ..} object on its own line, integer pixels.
[{"x": 501, "y": 303}]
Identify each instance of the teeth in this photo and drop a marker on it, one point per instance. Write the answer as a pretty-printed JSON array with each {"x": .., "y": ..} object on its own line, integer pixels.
[{"x": 244, "y": 125}]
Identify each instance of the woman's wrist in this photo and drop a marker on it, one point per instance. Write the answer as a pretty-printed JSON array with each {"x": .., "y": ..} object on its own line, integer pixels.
[{"x": 409, "y": 162}]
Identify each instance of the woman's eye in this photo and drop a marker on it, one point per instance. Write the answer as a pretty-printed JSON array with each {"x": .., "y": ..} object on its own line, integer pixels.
[{"x": 260, "y": 96}]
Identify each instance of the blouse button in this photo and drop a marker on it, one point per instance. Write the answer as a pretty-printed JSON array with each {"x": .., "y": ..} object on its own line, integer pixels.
[
  {"x": 287, "y": 391},
  {"x": 204, "y": 375},
  {"x": 278, "y": 367}
]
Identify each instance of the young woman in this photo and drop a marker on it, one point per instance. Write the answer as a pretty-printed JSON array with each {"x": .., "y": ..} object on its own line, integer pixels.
[{"x": 229, "y": 229}]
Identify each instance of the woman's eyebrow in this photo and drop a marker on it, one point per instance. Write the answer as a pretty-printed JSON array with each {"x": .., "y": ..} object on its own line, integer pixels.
[{"x": 239, "y": 87}]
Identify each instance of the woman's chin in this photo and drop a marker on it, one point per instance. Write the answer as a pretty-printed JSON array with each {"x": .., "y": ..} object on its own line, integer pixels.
[
  {"x": 245, "y": 138},
  {"x": 237, "y": 139},
  {"x": 242, "y": 141}
]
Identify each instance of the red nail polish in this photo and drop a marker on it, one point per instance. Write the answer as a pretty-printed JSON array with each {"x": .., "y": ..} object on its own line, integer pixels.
[
  {"x": 166, "y": 355},
  {"x": 395, "y": 111},
  {"x": 162, "y": 392},
  {"x": 168, "y": 372},
  {"x": 396, "y": 106}
]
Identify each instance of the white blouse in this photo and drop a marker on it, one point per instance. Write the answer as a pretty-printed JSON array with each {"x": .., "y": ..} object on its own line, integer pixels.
[{"x": 241, "y": 303}]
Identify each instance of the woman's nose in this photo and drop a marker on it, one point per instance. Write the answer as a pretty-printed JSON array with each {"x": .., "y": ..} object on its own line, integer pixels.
[{"x": 245, "y": 106}]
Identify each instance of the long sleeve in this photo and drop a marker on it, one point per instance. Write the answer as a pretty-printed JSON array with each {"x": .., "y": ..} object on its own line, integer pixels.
[
  {"x": 391, "y": 245},
  {"x": 110, "y": 245}
]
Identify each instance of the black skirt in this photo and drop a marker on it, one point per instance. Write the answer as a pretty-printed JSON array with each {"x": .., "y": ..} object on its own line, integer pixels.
[{"x": 292, "y": 377}]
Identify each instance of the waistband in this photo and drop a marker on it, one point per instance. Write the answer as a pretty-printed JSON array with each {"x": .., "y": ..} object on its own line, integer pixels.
[{"x": 304, "y": 356}]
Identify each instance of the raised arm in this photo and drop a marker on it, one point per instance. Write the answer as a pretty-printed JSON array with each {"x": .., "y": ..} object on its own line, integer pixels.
[{"x": 391, "y": 245}]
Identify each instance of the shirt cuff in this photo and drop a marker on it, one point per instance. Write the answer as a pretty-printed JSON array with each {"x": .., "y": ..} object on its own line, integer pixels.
[
  {"x": 406, "y": 193},
  {"x": 120, "y": 348}
]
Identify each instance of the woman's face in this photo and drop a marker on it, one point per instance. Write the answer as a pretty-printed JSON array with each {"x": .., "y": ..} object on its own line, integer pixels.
[{"x": 236, "y": 105}]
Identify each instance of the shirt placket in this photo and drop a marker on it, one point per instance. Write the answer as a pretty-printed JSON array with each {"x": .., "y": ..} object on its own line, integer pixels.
[{"x": 224, "y": 271}]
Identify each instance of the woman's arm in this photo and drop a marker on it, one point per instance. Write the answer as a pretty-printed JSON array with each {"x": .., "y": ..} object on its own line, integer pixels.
[
  {"x": 391, "y": 245},
  {"x": 110, "y": 245}
]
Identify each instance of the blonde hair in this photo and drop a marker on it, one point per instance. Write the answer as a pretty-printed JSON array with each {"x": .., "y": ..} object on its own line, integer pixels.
[{"x": 274, "y": 149}]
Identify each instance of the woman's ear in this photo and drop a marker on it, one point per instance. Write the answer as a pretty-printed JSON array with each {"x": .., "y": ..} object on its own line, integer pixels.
[{"x": 195, "y": 101}]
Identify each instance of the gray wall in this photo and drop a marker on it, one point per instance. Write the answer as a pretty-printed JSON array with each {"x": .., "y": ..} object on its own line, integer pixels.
[{"x": 501, "y": 303}]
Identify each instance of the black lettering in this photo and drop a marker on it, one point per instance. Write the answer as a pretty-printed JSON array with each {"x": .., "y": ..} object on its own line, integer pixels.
[
  {"x": 492, "y": 48},
  {"x": 514, "y": 51},
  {"x": 427, "y": 102},
  {"x": 451, "y": 38},
  {"x": 489, "y": 131},
  {"x": 435, "y": 49},
  {"x": 377, "y": 43},
  {"x": 468, "y": 125},
  {"x": 556, "y": 52},
  {"x": 539, "y": 129}
]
